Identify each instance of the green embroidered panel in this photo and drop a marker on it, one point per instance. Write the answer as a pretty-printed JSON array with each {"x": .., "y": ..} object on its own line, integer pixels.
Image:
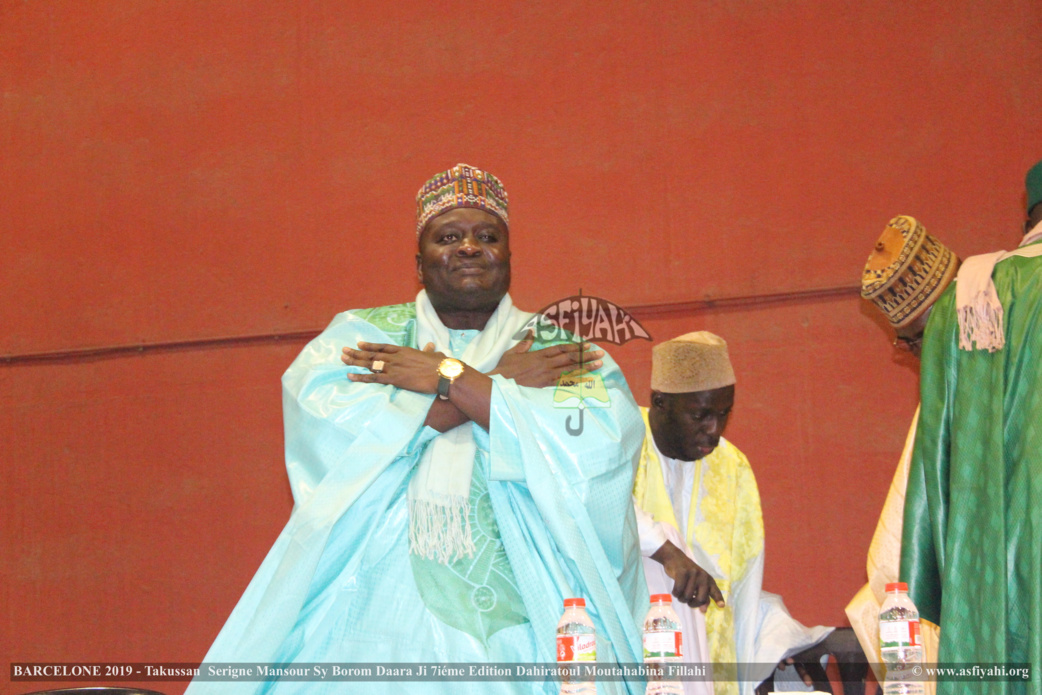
[
  {"x": 477, "y": 595},
  {"x": 398, "y": 321}
]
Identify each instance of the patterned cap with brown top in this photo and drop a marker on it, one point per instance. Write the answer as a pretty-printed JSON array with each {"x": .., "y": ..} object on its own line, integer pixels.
[{"x": 907, "y": 271}]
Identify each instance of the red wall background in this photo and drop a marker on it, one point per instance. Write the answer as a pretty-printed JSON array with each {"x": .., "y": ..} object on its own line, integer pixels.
[{"x": 187, "y": 189}]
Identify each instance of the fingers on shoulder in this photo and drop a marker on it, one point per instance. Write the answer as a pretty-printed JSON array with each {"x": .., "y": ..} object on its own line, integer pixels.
[
  {"x": 377, "y": 347},
  {"x": 367, "y": 378}
]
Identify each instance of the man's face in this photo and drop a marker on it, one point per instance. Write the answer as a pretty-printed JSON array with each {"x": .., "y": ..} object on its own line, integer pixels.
[
  {"x": 687, "y": 426},
  {"x": 910, "y": 337},
  {"x": 464, "y": 260}
]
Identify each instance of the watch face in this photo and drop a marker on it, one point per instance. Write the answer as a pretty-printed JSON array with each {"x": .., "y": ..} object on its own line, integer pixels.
[{"x": 450, "y": 368}]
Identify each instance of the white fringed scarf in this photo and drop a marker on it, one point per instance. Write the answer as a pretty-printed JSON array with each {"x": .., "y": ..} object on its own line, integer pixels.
[
  {"x": 976, "y": 301},
  {"x": 439, "y": 492}
]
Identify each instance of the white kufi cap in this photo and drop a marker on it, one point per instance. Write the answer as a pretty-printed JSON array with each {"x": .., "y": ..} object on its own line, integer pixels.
[{"x": 693, "y": 362}]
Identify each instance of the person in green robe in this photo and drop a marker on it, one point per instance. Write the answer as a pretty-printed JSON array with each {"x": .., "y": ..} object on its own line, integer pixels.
[
  {"x": 443, "y": 508},
  {"x": 971, "y": 548}
]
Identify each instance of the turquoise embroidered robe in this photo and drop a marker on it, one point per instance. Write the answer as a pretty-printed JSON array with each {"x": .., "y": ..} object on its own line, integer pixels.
[{"x": 551, "y": 512}]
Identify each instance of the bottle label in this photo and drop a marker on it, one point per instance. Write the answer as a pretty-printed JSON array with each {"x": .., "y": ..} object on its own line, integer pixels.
[
  {"x": 577, "y": 648},
  {"x": 899, "y": 633},
  {"x": 663, "y": 645}
]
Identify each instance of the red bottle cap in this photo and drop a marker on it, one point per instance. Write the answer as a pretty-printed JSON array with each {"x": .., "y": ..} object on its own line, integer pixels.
[
  {"x": 570, "y": 602},
  {"x": 661, "y": 598},
  {"x": 896, "y": 586}
]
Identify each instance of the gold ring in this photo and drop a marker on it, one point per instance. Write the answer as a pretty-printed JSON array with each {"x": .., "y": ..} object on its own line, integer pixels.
[{"x": 378, "y": 367}]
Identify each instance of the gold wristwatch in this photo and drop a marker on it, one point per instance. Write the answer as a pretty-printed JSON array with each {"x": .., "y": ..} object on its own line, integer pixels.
[{"x": 448, "y": 371}]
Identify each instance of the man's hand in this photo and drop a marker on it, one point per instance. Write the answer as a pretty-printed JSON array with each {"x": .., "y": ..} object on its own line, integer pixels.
[
  {"x": 801, "y": 670},
  {"x": 417, "y": 370},
  {"x": 544, "y": 367},
  {"x": 691, "y": 584},
  {"x": 403, "y": 367}
]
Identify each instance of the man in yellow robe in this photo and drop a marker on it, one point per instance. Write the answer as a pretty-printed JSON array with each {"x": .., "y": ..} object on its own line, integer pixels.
[{"x": 693, "y": 480}]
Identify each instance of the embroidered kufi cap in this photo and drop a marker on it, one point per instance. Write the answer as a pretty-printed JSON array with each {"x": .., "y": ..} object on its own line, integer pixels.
[
  {"x": 462, "y": 186},
  {"x": 1033, "y": 184},
  {"x": 907, "y": 271},
  {"x": 693, "y": 362}
]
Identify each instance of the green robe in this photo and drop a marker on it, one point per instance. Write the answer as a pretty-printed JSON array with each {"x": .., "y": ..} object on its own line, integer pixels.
[{"x": 972, "y": 540}]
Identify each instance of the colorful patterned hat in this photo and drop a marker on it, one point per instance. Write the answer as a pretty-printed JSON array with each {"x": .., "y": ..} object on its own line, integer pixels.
[
  {"x": 462, "y": 186},
  {"x": 1033, "y": 184},
  {"x": 692, "y": 362},
  {"x": 907, "y": 271}
]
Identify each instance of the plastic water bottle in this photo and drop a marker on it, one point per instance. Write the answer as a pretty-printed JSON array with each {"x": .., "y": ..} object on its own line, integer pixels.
[
  {"x": 663, "y": 645},
  {"x": 900, "y": 643},
  {"x": 576, "y": 645}
]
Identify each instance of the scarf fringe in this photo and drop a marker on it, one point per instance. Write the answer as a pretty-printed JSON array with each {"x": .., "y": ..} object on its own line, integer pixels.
[
  {"x": 440, "y": 530},
  {"x": 981, "y": 322}
]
